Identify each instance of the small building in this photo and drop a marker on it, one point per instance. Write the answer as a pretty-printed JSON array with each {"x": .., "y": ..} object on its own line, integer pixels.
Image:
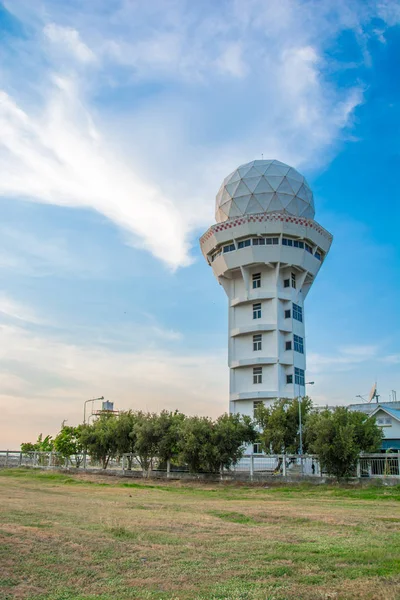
[{"x": 387, "y": 417}]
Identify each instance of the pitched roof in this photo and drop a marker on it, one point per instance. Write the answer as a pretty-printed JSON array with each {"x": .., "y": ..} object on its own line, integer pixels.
[{"x": 393, "y": 412}]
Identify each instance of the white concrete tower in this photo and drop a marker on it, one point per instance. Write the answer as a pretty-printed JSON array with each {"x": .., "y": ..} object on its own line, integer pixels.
[{"x": 265, "y": 250}]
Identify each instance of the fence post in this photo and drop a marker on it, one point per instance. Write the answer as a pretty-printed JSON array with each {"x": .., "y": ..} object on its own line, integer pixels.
[
  {"x": 251, "y": 467},
  {"x": 35, "y": 459},
  {"x": 6, "y": 458},
  {"x": 50, "y": 458},
  {"x": 20, "y": 458},
  {"x": 84, "y": 461},
  {"x": 168, "y": 468},
  {"x": 284, "y": 465},
  {"x": 398, "y": 463},
  {"x": 358, "y": 468}
]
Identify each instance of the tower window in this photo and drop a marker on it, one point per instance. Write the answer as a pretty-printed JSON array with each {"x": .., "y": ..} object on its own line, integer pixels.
[
  {"x": 259, "y": 241},
  {"x": 318, "y": 255},
  {"x": 308, "y": 248},
  {"x": 289, "y": 378},
  {"x": 298, "y": 344},
  {"x": 299, "y": 376},
  {"x": 257, "y": 449},
  {"x": 297, "y": 312},
  {"x": 256, "y": 404},
  {"x": 257, "y": 375},
  {"x": 257, "y": 342},
  {"x": 298, "y": 244},
  {"x": 287, "y": 242},
  {"x": 244, "y": 243},
  {"x": 288, "y": 345},
  {"x": 229, "y": 248},
  {"x": 257, "y": 311},
  {"x": 287, "y": 314},
  {"x": 215, "y": 255},
  {"x": 272, "y": 241},
  {"x": 256, "y": 280},
  {"x": 293, "y": 280},
  {"x": 286, "y": 283}
]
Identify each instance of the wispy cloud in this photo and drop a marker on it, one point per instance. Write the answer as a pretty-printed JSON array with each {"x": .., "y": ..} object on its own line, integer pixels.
[
  {"x": 346, "y": 359},
  {"x": 59, "y": 145},
  {"x": 68, "y": 38},
  {"x": 17, "y": 311},
  {"x": 391, "y": 359}
]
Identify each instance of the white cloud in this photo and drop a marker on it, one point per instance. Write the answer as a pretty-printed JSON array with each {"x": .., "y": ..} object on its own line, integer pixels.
[
  {"x": 60, "y": 158},
  {"x": 69, "y": 38},
  {"x": 231, "y": 60},
  {"x": 154, "y": 166},
  {"x": 17, "y": 311},
  {"x": 346, "y": 359}
]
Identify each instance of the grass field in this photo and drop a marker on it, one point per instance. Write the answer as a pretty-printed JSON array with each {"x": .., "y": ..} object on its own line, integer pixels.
[{"x": 80, "y": 538}]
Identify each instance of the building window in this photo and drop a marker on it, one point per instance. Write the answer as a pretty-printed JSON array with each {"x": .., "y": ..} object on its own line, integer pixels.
[
  {"x": 298, "y": 244},
  {"x": 215, "y": 255},
  {"x": 288, "y": 345},
  {"x": 287, "y": 314},
  {"x": 256, "y": 280},
  {"x": 297, "y": 312},
  {"x": 287, "y": 242},
  {"x": 318, "y": 255},
  {"x": 256, "y": 404},
  {"x": 308, "y": 248},
  {"x": 257, "y": 449},
  {"x": 293, "y": 280},
  {"x": 229, "y": 248},
  {"x": 298, "y": 344},
  {"x": 272, "y": 241},
  {"x": 257, "y": 311},
  {"x": 384, "y": 421},
  {"x": 257, "y": 375},
  {"x": 244, "y": 243},
  {"x": 299, "y": 376},
  {"x": 257, "y": 342},
  {"x": 286, "y": 283},
  {"x": 259, "y": 241},
  {"x": 289, "y": 378}
]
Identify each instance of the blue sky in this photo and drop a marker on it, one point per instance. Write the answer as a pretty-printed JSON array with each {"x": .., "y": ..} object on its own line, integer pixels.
[{"x": 118, "y": 121}]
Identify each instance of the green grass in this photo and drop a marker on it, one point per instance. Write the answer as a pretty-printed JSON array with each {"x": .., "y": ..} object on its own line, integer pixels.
[{"x": 73, "y": 537}]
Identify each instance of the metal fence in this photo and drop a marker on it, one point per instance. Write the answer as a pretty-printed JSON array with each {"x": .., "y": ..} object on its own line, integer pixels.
[{"x": 255, "y": 466}]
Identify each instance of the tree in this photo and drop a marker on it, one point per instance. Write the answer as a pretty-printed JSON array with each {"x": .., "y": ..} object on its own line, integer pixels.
[
  {"x": 338, "y": 437},
  {"x": 125, "y": 435},
  {"x": 230, "y": 434},
  {"x": 211, "y": 446},
  {"x": 147, "y": 437},
  {"x": 279, "y": 425},
  {"x": 41, "y": 445},
  {"x": 169, "y": 432},
  {"x": 100, "y": 439},
  {"x": 196, "y": 448},
  {"x": 69, "y": 443}
]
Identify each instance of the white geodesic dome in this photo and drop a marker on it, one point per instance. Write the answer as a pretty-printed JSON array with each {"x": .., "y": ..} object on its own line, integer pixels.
[{"x": 264, "y": 186}]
